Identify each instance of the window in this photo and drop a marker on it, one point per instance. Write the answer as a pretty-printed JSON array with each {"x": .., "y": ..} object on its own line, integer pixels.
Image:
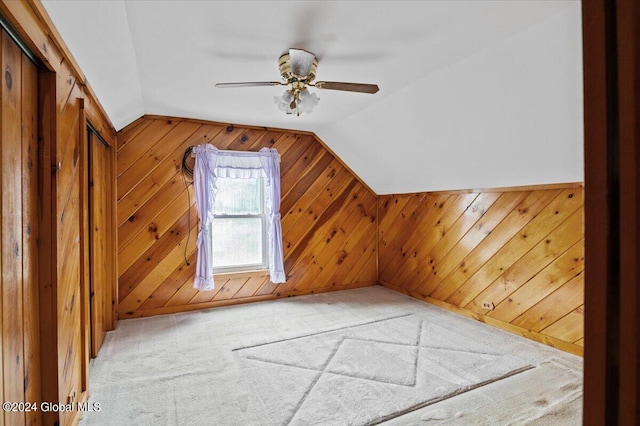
[
  {"x": 238, "y": 203},
  {"x": 239, "y": 226}
]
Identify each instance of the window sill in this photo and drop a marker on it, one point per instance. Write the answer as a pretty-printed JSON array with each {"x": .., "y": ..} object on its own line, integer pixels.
[{"x": 243, "y": 274}]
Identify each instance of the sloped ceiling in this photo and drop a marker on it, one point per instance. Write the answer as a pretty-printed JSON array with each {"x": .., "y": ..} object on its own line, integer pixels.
[{"x": 473, "y": 94}]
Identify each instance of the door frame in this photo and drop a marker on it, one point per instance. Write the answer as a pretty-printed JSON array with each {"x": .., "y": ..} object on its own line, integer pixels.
[{"x": 611, "y": 52}]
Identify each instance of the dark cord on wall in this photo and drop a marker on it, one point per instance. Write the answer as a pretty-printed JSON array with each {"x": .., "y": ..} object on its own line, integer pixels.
[
  {"x": 187, "y": 171},
  {"x": 185, "y": 167}
]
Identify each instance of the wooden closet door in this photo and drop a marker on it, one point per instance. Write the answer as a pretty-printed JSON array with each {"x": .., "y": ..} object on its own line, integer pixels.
[
  {"x": 99, "y": 243},
  {"x": 19, "y": 342}
]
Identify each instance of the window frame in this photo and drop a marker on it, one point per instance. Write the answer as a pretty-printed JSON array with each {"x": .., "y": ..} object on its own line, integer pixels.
[{"x": 249, "y": 267}]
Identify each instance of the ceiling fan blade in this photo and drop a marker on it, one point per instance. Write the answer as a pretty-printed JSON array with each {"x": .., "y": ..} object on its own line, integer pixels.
[
  {"x": 301, "y": 61},
  {"x": 349, "y": 87},
  {"x": 248, "y": 84}
]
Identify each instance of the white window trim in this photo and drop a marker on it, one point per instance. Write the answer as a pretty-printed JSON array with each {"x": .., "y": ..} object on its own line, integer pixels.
[{"x": 262, "y": 266}]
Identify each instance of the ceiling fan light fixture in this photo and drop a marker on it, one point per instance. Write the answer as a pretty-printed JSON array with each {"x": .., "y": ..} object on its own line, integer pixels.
[
  {"x": 303, "y": 101},
  {"x": 307, "y": 101},
  {"x": 284, "y": 101}
]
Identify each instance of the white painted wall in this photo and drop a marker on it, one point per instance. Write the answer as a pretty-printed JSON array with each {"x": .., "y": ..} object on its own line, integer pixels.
[
  {"x": 508, "y": 115},
  {"x": 97, "y": 34}
]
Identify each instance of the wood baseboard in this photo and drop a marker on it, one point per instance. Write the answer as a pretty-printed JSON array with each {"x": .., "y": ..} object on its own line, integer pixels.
[
  {"x": 531, "y": 335},
  {"x": 185, "y": 308}
]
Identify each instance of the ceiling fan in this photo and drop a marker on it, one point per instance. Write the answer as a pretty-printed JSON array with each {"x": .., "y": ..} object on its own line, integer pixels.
[{"x": 298, "y": 70}]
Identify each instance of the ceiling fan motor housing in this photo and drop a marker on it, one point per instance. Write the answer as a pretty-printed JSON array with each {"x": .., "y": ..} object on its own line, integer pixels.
[{"x": 289, "y": 75}]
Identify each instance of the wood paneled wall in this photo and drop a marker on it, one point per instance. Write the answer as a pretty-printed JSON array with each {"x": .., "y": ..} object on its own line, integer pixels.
[
  {"x": 65, "y": 104},
  {"x": 513, "y": 259},
  {"x": 19, "y": 342},
  {"x": 66, "y": 300},
  {"x": 328, "y": 218}
]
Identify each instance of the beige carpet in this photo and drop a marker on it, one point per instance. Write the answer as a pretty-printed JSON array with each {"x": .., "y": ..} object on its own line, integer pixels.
[{"x": 365, "y": 356}]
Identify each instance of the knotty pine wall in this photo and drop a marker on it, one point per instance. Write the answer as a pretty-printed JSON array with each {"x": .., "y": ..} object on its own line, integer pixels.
[
  {"x": 66, "y": 318},
  {"x": 521, "y": 251},
  {"x": 19, "y": 343},
  {"x": 65, "y": 105},
  {"x": 328, "y": 218}
]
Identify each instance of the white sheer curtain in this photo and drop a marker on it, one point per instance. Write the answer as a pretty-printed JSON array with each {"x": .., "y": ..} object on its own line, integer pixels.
[
  {"x": 204, "y": 187},
  {"x": 270, "y": 160},
  {"x": 212, "y": 163}
]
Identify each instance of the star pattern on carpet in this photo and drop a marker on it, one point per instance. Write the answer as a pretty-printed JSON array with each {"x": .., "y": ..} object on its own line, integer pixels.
[{"x": 403, "y": 355}]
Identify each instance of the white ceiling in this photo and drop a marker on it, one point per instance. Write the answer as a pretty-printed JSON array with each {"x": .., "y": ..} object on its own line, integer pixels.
[{"x": 473, "y": 94}]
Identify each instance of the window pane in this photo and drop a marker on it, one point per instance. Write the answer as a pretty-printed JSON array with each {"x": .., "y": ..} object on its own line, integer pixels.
[
  {"x": 238, "y": 196},
  {"x": 237, "y": 241}
]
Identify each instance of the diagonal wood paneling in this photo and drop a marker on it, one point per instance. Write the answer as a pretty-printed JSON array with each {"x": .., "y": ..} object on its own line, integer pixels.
[
  {"x": 69, "y": 210},
  {"x": 329, "y": 218},
  {"x": 521, "y": 251},
  {"x": 64, "y": 291}
]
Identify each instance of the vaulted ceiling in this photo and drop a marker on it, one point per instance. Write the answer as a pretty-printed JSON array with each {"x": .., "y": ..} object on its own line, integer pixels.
[{"x": 473, "y": 94}]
